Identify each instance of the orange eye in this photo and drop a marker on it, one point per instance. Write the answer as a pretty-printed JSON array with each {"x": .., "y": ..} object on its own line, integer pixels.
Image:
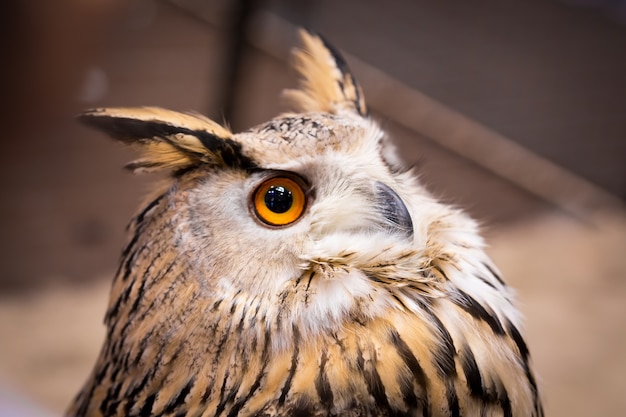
[{"x": 279, "y": 201}]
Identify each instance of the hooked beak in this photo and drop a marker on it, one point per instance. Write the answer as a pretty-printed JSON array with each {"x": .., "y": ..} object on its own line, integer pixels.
[{"x": 390, "y": 205}]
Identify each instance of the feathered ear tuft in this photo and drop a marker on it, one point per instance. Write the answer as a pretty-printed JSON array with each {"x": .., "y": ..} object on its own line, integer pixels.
[
  {"x": 327, "y": 85},
  {"x": 169, "y": 139}
]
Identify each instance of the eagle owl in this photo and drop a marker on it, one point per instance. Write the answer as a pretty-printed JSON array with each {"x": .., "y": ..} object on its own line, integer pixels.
[{"x": 297, "y": 269}]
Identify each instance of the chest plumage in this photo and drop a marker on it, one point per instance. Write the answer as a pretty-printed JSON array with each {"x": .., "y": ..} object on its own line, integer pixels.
[{"x": 297, "y": 269}]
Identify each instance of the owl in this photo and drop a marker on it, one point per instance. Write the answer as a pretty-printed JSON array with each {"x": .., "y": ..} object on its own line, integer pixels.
[{"x": 299, "y": 269}]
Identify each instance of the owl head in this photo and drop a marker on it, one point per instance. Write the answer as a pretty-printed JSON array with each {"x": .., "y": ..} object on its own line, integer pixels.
[
  {"x": 297, "y": 268},
  {"x": 309, "y": 219}
]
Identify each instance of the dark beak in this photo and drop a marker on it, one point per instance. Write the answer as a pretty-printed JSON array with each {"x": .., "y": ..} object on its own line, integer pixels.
[{"x": 390, "y": 205}]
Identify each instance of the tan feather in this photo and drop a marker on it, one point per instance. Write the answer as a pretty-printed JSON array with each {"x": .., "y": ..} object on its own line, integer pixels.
[
  {"x": 191, "y": 121},
  {"x": 166, "y": 138},
  {"x": 326, "y": 84}
]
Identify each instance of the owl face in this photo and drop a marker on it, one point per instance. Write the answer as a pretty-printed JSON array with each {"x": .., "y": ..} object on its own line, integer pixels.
[{"x": 320, "y": 200}]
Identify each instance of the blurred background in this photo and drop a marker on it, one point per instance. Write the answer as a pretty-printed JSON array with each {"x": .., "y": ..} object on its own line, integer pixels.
[{"x": 515, "y": 111}]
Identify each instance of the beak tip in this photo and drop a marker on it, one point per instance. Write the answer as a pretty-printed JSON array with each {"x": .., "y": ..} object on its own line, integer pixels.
[{"x": 394, "y": 210}]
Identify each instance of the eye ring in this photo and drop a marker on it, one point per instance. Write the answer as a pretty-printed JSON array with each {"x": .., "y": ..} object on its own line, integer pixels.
[{"x": 279, "y": 200}]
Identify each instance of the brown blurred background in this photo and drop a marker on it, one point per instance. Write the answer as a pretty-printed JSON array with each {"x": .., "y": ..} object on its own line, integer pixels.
[{"x": 515, "y": 111}]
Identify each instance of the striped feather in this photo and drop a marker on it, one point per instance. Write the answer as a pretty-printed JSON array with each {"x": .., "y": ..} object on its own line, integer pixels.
[
  {"x": 326, "y": 85},
  {"x": 169, "y": 139}
]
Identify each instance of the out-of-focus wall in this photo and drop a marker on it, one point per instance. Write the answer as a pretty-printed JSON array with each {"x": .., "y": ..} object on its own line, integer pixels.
[{"x": 541, "y": 74}]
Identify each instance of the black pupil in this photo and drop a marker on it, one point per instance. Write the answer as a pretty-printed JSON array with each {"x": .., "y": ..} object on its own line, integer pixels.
[{"x": 278, "y": 199}]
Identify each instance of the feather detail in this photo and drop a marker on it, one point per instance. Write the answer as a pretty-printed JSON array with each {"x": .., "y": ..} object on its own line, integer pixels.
[
  {"x": 326, "y": 84},
  {"x": 169, "y": 139}
]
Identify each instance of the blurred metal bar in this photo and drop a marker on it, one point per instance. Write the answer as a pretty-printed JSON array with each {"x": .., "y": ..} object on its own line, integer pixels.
[{"x": 236, "y": 42}]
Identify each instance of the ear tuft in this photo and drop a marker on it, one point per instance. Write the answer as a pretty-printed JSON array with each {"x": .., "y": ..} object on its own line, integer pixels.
[
  {"x": 327, "y": 85},
  {"x": 168, "y": 140}
]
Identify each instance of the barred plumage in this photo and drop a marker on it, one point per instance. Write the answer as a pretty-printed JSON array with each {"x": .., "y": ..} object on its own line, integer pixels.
[{"x": 372, "y": 299}]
